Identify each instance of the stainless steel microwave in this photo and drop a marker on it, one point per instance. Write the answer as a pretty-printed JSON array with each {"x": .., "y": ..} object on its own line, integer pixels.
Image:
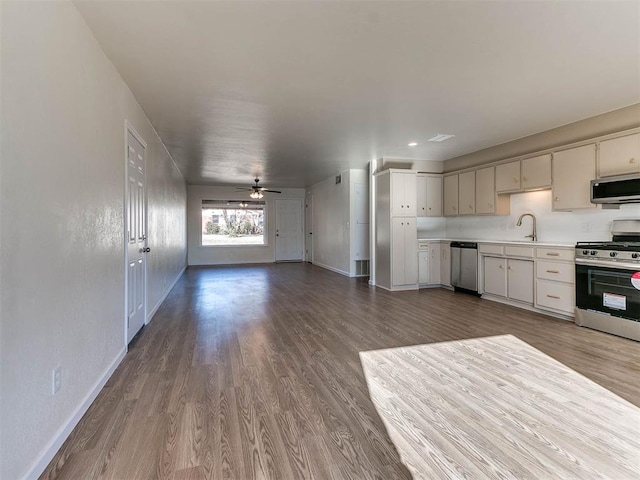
[{"x": 621, "y": 189}]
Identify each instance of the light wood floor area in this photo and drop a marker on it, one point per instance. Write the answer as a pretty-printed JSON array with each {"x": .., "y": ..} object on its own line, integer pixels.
[
  {"x": 254, "y": 372},
  {"x": 495, "y": 407}
]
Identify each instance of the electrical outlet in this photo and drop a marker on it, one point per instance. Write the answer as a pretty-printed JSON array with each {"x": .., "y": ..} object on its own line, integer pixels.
[{"x": 56, "y": 380}]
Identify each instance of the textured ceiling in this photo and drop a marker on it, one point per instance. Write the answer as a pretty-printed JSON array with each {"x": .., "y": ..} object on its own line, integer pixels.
[{"x": 296, "y": 91}]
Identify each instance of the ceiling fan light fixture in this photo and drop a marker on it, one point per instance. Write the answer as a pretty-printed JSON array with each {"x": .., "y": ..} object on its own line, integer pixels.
[{"x": 256, "y": 194}]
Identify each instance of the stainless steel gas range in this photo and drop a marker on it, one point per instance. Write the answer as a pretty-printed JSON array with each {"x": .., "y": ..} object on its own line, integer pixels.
[{"x": 608, "y": 282}]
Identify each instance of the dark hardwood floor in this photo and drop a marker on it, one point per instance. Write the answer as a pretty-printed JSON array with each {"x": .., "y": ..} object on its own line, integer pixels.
[{"x": 254, "y": 372}]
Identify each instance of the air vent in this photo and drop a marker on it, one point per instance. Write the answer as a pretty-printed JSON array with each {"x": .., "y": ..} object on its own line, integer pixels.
[{"x": 441, "y": 137}]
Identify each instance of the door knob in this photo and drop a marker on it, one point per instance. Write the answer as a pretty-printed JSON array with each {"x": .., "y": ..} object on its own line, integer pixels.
[{"x": 146, "y": 250}]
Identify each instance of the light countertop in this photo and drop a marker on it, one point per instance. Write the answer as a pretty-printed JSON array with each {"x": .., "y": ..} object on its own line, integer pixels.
[{"x": 504, "y": 242}]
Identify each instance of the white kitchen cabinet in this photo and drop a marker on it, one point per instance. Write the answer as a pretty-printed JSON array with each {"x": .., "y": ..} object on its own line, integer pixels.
[
  {"x": 555, "y": 280},
  {"x": 619, "y": 156},
  {"x": 485, "y": 190},
  {"x": 572, "y": 170},
  {"x": 445, "y": 263},
  {"x": 536, "y": 172},
  {"x": 487, "y": 201},
  {"x": 395, "y": 236},
  {"x": 495, "y": 276},
  {"x": 403, "y": 194},
  {"x": 450, "y": 186},
  {"x": 404, "y": 270},
  {"x": 509, "y": 278},
  {"x": 508, "y": 177},
  {"x": 520, "y": 280},
  {"x": 429, "y": 191},
  {"x": 467, "y": 193},
  {"x": 434, "y": 263},
  {"x": 423, "y": 267}
]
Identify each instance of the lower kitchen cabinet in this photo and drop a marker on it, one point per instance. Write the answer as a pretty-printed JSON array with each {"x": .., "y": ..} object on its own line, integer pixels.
[
  {"x": 430, "y": 264},
  {"x": 423, "y": 267},
  {"x": 509, "y": 278},
  {"x": 445, "y": 264},
  {"x": 404, "y": 270}
]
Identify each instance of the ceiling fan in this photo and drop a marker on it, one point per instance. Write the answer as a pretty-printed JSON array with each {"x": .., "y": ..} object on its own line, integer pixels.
[{"x": 256, "y": 190}]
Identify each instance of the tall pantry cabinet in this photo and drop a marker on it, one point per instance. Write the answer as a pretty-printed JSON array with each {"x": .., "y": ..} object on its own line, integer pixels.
[{"x": 396, "y": 231}]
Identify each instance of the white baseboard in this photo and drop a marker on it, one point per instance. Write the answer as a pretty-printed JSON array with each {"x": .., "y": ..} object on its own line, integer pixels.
[
  {"x": 164, "y": 296},
  {"x": 47, "y": 454},
  {"x": 341, "y": 272}
]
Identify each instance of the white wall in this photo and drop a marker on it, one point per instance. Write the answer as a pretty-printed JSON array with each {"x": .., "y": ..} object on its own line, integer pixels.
[
  {"x": 338, "y": 237},
  {"x": 565, "y": 227},
  {"x": 331, "y": 217},
  {"x": 61, "y": 234},
  {"x": 199, "y": 255}
]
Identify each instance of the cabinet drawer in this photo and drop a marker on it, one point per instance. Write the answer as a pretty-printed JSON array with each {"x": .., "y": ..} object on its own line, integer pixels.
[
  {"x": 512, "y": 251},
  {"x": 556, "y": 254},
  {"x": 558, "y": 271},
  {"x": 555, "y": 296},
  {"x": 495, "y": 249}
]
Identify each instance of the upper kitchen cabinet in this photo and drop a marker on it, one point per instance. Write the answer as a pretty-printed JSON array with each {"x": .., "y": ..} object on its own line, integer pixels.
[
  {"x": 536, "y": 172},
  {"x": 508, "y": 177},
  {"x": 572, "y": 170},
  {"x": 467, "y": 193},
  {"x": 429, "y": 188},
  {"x": 487, "y": 202},
  {"x": 450, "y": 184},
  {"x": 619, "y": 156},
  {"x": 403, "y": 194}
]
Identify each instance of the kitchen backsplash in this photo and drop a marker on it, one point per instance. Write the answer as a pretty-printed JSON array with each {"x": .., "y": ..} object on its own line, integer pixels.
[{"x": 565, "y": 227}]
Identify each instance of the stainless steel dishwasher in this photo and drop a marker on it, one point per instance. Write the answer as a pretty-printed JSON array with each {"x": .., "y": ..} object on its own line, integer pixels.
[{"x": 464, "y": 266}]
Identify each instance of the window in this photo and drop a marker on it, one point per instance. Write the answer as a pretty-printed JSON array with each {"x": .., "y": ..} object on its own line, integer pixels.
[{"x": 233, "y": 223}]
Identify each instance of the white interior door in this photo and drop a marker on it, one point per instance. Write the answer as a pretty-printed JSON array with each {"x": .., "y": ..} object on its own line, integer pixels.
[
  {"x": 308, "y": 221},
  {"x": 289, "y": 231},
  {"x": 136, "y": 230}
]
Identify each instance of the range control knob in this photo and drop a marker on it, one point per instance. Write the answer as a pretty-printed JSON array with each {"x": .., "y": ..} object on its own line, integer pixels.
[
  {"x": 585, "y": 252},
  {"x": 613, "y": 254},
  {"x": 593, "y": 252},
  {"x": 635, "y": 255}
]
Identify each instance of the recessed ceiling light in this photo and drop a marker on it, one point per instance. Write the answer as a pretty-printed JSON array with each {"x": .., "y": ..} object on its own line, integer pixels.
[
  {"x": 413, "y": 144},
  {"x": 441, "y": 137}
]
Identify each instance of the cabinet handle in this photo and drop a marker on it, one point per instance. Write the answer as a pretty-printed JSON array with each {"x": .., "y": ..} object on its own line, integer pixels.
[
  {"x": 429, "y": 208},
  {"x": 508, "y": 268},
  {"x": 553, "y": 271},
  {"x": 553, "y": 254},
  {"x": 454, "y": 208},
  {"x": 633, "y": 160},
  {"x": 554, "y": 296},
  {"x": 524, "y": 179},
  {"x": 423, "y": 208},
  {"x": 407, "y": 206},
  {"x": 501, "y": 266},
  {"x": 401, "y": 206},
  {"x": 515, "y": 180},
  {"x": 470, "y": 207},
  {"x": 557, "y": 198}
]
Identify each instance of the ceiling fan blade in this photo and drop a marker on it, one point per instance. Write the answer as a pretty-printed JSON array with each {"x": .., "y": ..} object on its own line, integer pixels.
[
  {"x": 271, "y": 191},
  {"x": 244, "y": 189}
]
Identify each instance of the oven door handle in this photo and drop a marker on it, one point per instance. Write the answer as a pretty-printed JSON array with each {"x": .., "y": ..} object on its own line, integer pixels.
[{"x": 619, "y": 265}]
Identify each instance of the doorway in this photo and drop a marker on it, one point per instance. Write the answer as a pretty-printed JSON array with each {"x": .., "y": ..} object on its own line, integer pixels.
[
  {"x": 289, "y": 231},
  {"x": 136, "y": 248},
  {"x": 308, "y": 221}
]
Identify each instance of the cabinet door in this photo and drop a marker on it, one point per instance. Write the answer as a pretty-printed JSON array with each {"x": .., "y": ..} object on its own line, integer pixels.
[
  {"x": 398, "y": 206},
  {"x": 495, "y": 276},
  {"x": 410, "y": 247},
  {"x": 619, "y": 156},
  {"x": 410, "y": 194},
  {"x": 397, "y": 251},
  {"x": 520, "y": 280},
  {"x": 434, "y": 196},
  {"x": 508, "y": 177},
  {"x": 485, "y": 190},
  {"x": 445, "y": 264},
  {"x": 423, "y": 267},
  {"x": 467, "y": 193},
  {"x": 421, "y": 192},
  {"x": 573, "y": 169},
  {"x": 536, "y": 172},
  {"x": 434, "y": 263},
  {"x": 450, "y": 184}
]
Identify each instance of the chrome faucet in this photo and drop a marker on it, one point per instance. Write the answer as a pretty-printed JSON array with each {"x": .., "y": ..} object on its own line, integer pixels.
[{"x": 534, "y": 235}]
